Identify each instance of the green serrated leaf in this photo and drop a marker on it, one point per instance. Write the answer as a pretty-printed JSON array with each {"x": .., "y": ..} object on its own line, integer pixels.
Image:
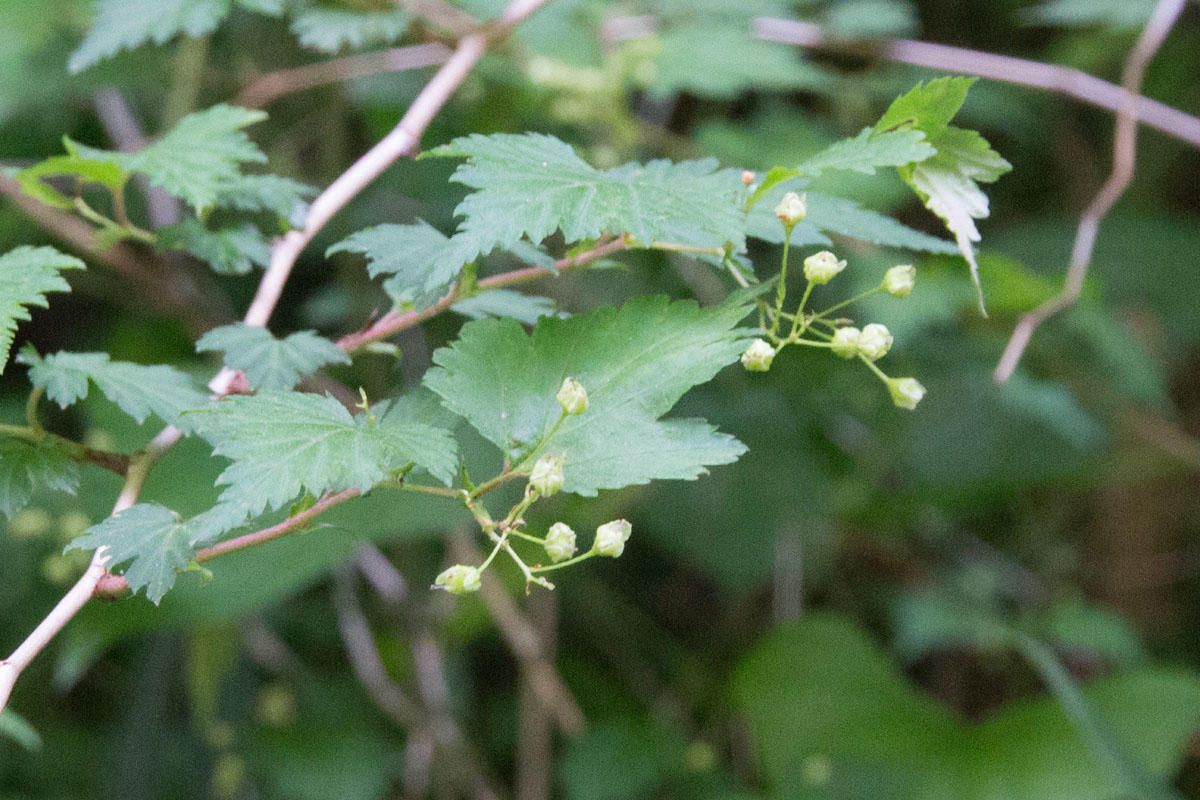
[
  {"x": 198, "y": 160},
  {"x": 286, "y": 443},
  {"x": 275, "y": 193},
  {"x": 126, "y": 24},
  {"x": 927, "y": 107},
  {"x": 331, "y": 29},
  {"x": 635, "y": 363},
  {"x": 505, "y": 303},
  {"x": 421, "y": 260},
  {"x": 26, "y": 275},
  {"x": 232, "y": 250},
  {"x": 26, "y": 467},
  {"x": 947, "y": 182},
  {"x": 156, "y": 542},
  {"x": 533, "y": 184},
  {"x": 137, "y": 389},
  {"x": 869, "y": 151},
  {"x": 270, "y": 363}
]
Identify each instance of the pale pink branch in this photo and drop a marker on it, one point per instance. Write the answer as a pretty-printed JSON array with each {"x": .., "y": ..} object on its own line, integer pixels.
[
  {"x": 1124, "y": 161},
  {"x": 273, "y": 85},
  {"x": 1051, "y": 77}
]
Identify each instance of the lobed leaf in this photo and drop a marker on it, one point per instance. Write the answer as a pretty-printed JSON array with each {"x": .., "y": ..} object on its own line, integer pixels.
[
  {"x": 531, "y": 185},
  {"x": 155, "y": 542},
  {"x": 635, "y": 363},
  {"x": 270, "y": 363},
  {"x": 199, "y": 160},
  {"x": 524, "y": 308},
  {"x": 286, "y": 443},
  {"x": 26, "y": 275},
  {"x": 26, "y": 467},
  {"x": 137, "y": 389},
  {"x": 421, "y": 260}
]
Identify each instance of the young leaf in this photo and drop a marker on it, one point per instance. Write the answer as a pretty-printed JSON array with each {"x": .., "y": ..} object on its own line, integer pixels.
[
  {"x": 286, "y": 443},
  {"x": 533, "y": 184},
  {"x": 946, "y": 183},
  {"x": 421, "y": 260},
  {"x": 26, "y": 275},
  {"x": 331, "y": 29},
  {"x": 635, "y": 363},
  {"x": 156, "y": 542},
  {"x": 197, "y": 160},
  {"x": 270, "y": 363},
  {"x": 232, "y": 250},
  {"x": 26, "y": 467},
  {"x": 126, "y": 24},
  {"x": 137, "y": 389}
]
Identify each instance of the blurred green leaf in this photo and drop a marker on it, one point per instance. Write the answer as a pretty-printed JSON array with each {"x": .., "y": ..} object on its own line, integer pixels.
[{"x": 26, "y": 468}]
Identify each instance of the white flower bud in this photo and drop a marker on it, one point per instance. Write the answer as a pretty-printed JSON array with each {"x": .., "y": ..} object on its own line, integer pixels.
[
  {"x": 611, "y": 537},
  {"x": 459, "y": 579},
  {"x": 822, "y": 267},
  {"x": 546, "y": 477},
  {"x": 900, "y": 280},
  {"x": 758, "y": 356},
  {"x": 560, "y": 542},
  {"x": 906, "y": 392},
  {"x": 791, "y": 209},
  {"x": 875, "y": 341},
  {"x": 845, "y": 342},
  {"x": 572, "y": 396}
]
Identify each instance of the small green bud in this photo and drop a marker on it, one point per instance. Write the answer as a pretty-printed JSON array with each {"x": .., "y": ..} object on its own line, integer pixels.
[
  {"x": 758, "y": 356},
  {"x": 791, "y": 209},
  {"x": 906, "y": 392},
  {"x": 845, "y": 342},
  {"x": 560, "y": 542},
  {"x": 546, "y": 477},
  {"x": 459, "y": 579},
  {"x": 874, "y": 341},
  {"x": 821, "y": 267},
  {"x": 572, "y": 397},
  {"x": 900, "y": 280},
  {"x": 611, "y": 538}
]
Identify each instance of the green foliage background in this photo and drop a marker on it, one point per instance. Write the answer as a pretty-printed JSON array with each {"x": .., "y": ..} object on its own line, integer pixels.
[{"x": 997, "y": 595}]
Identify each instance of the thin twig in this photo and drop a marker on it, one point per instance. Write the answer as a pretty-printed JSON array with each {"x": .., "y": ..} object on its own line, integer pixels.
[
  {"x": 273, "y": 85},
  {"x": 1034, "y": 74},
  {"x": 364, "y": 657},
  {"x": 395, "y": 321},
  {"x": 1124, "y": 161}
]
